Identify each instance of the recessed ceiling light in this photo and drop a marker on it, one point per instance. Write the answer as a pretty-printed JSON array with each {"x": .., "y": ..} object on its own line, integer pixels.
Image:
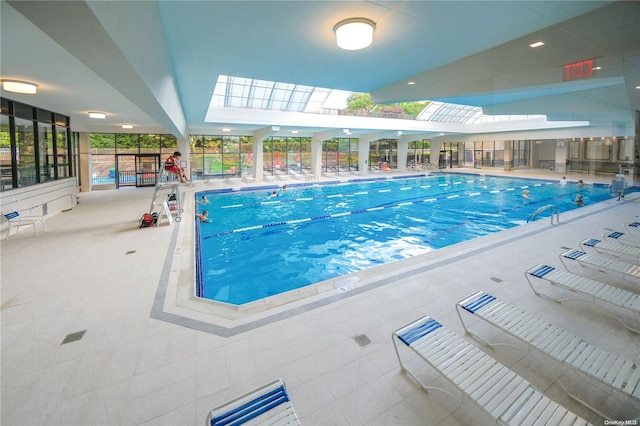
[
  {"x": 536, "y": 44},
  {"x": 638, "y": 87},
  {"x": 411, "y": 83},
  {"x": 354, "y": 33},
  {"x": 294, "y": 131},
  {"x": 226, "y": 129},
  {"x": 96, "y": 114},
  {"x": 19, "y": 86},
  {"x": 127, "y": 126}
]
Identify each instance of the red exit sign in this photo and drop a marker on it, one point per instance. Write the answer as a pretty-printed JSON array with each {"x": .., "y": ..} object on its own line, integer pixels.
[{"x": 578, "y": 70}]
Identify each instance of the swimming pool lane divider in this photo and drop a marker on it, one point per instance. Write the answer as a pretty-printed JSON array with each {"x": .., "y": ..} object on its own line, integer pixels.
[
  {"x": 404, "y": 188},
  {"x": 336, "y": 215}
]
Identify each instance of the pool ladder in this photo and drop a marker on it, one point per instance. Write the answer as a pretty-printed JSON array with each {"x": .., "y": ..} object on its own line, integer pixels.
[
  {"x": 433, "y": 166},
  {"x": 310, "y": 177},
  {"x": 551, "y": 207}
]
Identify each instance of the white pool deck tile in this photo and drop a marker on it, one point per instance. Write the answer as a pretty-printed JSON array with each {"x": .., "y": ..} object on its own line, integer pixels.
[{"x": 147, "y": 358}]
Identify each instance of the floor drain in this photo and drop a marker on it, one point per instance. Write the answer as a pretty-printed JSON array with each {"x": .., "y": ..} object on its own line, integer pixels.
[
  {"x": 496, "y": 279},
  {"x": 130, "y": 252},
  {"x": 73, "y": 337},
  {"x": 362, "y": 340}
]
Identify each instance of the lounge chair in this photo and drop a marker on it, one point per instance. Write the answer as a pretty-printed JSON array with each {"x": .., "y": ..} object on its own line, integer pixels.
[
  {"x": 501, "y": 393},
  {"x": 612, "y": 248},
  {"x": 633, "y": 226},
  {"x": 626, "y": 238},
  {"x": 594, "y": 363},
  {"x": 601, "y": 263},
  {"x": 16, "y": 220},
  {"x": 266, "y": 405},
  {"x": 596, "y": 290}
]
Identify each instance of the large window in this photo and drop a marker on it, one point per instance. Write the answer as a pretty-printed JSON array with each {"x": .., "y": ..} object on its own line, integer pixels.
[
  {"x": 418, "y": 153},
  {"x": 489, "y": 153},
  {"x": 62, "y": 153},
  {"x": 6, "y": 171},
  {"x": 521, "y": 154},
  {"x": 106, "y": 146},
  {"x": 220, "y": 156},
  {"x": 599, "y": 149},
  {"x": 34, "y": 145},
  {"x": 286, "y": 155},
  {"x": 383, "y": 151},
  {"x": 340, "y": 155}
]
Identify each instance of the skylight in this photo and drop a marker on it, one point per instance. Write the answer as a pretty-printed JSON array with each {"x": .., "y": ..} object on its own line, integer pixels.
[
  {"x": 441, "y": 112},
  {"x": 239, "y": 92}
]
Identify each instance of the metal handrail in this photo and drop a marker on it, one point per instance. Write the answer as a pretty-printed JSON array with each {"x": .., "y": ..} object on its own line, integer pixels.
[
  {"x": 551, "y": 207},
  {"x": 427, "y": 165}
]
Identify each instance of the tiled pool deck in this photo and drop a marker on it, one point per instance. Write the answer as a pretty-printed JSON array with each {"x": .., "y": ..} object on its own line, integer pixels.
[{"x": 151, "y": 355}]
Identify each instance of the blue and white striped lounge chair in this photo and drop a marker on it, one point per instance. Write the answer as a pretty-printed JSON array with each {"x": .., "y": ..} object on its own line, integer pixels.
[
  {"x": 615, "y": 372},
  {"x": 596, "y": 290},
  {"x": 612, "y": 248},
  {"x": 266, "y": 405},
  {"x": 633, "y": 226},
  {"x": 624, "y": 238},
  {"x": 601, "y": 263},
  {"x": 499, "y": 392}
]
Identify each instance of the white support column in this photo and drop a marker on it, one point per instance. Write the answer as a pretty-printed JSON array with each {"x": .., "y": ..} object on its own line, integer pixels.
[
  {"x": 258, "y": 158},
  {"x": 363, "y": 152},
  {"x": 86, "y": 176},
  {"x": 316, "y": 153},
  {"x": 184, "y": 148},
  {"x": 403, "y": 149},
  {"x": 435, "y": 152}
]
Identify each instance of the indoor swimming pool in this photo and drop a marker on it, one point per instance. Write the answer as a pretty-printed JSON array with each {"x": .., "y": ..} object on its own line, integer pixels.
[{"x": 259, "y": 244}]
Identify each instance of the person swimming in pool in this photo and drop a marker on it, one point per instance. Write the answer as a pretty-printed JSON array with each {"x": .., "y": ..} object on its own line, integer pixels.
[{"x": 204, "y": 216}]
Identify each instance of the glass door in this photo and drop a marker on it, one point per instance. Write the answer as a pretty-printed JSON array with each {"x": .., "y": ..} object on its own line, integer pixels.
[
  {"x": 125, "y": 173},
  {"x": 147, "y": 166}
]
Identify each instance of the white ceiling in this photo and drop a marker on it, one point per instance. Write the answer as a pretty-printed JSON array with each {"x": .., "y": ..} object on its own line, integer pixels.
[{"x": 155, "y": 64}]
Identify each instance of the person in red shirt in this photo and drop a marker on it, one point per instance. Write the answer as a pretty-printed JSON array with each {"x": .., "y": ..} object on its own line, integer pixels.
[{"x": 172, "y": 164}]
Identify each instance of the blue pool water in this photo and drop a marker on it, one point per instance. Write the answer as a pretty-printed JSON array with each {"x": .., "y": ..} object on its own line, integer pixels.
[{"x": 258, "y": 246}]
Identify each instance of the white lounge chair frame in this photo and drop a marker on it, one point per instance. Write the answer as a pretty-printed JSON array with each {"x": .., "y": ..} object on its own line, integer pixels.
[
  {"x": 624, "y": 238},
  {"x": 617, "y": 373},
  {"x": 612, "y": 248},
  {"x": 16, "y": 220},
  {"x": 499, "y": 392},
  {"x": 266, "y": 405},
  {"x": 633, "y": 226},
  {"x": 601, "y": 263},
  {"x": 595, "y": 290}
]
